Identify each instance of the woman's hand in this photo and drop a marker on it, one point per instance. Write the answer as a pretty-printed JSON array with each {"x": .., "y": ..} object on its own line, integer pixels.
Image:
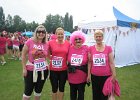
[
  {"x": 113, "y": 78},
  {"x": 88, "y": 79},
  {"x": 24, "y": 72}
]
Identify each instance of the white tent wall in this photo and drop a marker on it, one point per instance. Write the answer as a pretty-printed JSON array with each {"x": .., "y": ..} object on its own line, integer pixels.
[
  {"x": 125, "y": 41},
  {"x": 126, "y": 48},
  {"x": 97, "y": 24}
]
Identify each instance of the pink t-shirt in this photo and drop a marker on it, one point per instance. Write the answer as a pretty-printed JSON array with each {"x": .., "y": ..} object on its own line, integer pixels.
[
  {"x": 78, "y": 57},
  {"x": 32, "y": 47},
  {"x": 9, "y": 42},
  {"x": 2, "y": 42},
  {"x": 22, "y": 40},
  {"x": 16, "y": 42},
  {"x": 100, "y": 61},
  {"x": 59, "y": 54}
]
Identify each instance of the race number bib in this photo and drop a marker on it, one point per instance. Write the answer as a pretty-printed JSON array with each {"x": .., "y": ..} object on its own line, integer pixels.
[
  {"x": 40, "y": 64},
  {"x": 99, "y": 59},
  {"x": 76, "y": 59},
  {"x": 57, "y": 62}
]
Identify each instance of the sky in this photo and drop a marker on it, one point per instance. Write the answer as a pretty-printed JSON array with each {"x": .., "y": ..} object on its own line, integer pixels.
[{"x": 81, "y": 10}]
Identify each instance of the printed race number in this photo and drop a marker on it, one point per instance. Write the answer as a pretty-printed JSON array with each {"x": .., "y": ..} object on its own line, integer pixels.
[
  {"x": 57, "y": 62},
  {"x": 40, "y": 64},
  {"x": 99, "y": 59},
  {"x": 76, "y": 59}
]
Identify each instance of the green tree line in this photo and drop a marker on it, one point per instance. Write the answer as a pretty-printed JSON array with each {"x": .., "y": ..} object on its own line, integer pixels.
[{"x": 16, "y": 23}]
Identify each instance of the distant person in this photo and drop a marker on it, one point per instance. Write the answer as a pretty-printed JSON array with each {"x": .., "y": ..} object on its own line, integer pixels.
[
  {"x": 58, "y": 64},
  {"x": 35, "y": 70},
  {"x": 67, "y": 38},
  {"x": 10, "y": 46},
  {"x": 16, "y": 43},
  {"x": 22, "y": 40},
  {"x": 2, "y": 48},
  {"x": 77, "y": 65},
  {"x": 53, "y": 37},
  {"x": 102, "y": 66}
]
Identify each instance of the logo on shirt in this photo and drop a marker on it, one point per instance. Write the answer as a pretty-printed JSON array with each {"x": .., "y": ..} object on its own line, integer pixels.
[{"x": 40, "y": 47}]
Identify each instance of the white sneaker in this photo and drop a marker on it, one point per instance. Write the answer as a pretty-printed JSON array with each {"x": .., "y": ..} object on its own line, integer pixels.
[
  {"x": 3, "y": 63},
  {"x": 20, "y": 58}
]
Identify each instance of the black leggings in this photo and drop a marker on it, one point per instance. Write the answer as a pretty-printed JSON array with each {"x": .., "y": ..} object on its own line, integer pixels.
[
  {"x": 30, "y": 85},
  {"x": 97, "y": 86},
  {"x": 77, "y": 89},
  {"x": 58, "y": 80}
]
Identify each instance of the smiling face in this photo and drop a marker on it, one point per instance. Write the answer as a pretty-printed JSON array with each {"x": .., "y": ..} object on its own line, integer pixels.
[
  {"x": 98, "y": 36},
  {"x": 41, "y": 33},
  {"x": 78, "y": 42},
  {"x": 60, "y": 34}
]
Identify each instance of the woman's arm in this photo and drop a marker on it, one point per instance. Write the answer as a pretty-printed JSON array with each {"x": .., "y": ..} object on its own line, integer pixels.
[
  {"x": 112, "y": 65},
  {"x": 89, "y": 67},
  {"x": 24, "y": 53}
]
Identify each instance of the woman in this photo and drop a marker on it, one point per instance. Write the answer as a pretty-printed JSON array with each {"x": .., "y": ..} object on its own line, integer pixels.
[
  {"x": 77, "y": 65},
  {"x": 10, "y": 46},
  {"x": 35, "y": 71},
  {"x": 58, "y": 64},
  {"x": 102, "y": 66},
  {"x": 2, "y": 48},
  {"x": 16, "y": 43}
]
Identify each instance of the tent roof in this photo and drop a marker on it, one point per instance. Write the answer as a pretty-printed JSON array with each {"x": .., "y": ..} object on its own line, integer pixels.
[
  {"x": 122, "y": 17},
  {"x": 28, "y": 33},
  {"x": 117, "y": 18}
]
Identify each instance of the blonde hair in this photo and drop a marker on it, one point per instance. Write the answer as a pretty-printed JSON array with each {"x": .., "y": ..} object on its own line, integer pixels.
[
  {"x": 98, "y": 32},
  {"x": 59, "y": 28},
  {"x": 35, "y": 33}
]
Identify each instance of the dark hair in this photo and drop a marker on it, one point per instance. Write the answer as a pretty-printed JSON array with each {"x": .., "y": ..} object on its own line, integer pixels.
[{"x": 1, "y": 35}]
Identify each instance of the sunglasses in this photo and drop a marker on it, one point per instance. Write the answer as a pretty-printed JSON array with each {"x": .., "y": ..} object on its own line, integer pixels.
[
  {"x": 78, "y": 39},
  {"x": 41, "y": 31}
]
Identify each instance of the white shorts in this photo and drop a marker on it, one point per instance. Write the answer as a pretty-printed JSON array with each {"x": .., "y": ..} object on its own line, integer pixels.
[{"x": 15, "y": 47}]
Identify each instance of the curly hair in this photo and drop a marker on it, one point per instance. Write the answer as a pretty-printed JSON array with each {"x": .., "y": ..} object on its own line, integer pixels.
[{"x": 77, "y": 34}]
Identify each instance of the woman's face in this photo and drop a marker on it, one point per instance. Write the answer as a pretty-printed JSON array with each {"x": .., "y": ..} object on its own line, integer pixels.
[
  {"x": 60, "y": 35},
  {"x": 78, "y": 42},
  {"x": 41, "y": 33},
  {"x": 98, "y": 38}
]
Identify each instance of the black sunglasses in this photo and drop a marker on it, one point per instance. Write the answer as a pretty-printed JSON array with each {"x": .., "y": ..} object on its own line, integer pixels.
[
  {"x": 41, "y": 31},
  {"x": 78, "y": 39}
]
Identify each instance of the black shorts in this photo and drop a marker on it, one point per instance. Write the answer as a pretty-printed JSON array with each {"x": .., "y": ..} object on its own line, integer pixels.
[
  {"x": 58, "y": 80},
  {"x": 20, "y": 47},
  {"x": 10, "y": 47},
  {"x": 30, "y": 85}
]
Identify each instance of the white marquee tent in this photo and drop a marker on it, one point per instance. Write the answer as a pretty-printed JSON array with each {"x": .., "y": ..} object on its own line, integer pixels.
[{"x": 121, "y": 32}]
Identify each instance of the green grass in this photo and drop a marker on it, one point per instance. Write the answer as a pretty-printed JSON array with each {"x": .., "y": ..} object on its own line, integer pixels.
[{"x": 11, "y": 83}]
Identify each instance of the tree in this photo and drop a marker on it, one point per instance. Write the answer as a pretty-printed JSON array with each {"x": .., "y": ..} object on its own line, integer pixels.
[
  {"x": 2, "y": 19},
  {"x": 19, "y": 24},
  {"x": 66, "y": 22},
  {"x": 71, "y": 24},
  {"x": 31, "y": 26},
  {"x": 9, "y": 23},
  {"x": 52, "y": 22}
]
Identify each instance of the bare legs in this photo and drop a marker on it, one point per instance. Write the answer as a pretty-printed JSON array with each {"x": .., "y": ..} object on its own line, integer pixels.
[{"x": 58, "y": 96}]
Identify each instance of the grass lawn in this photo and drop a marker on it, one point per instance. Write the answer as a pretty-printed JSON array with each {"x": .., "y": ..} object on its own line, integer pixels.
[{"x": 11, "y": 83}]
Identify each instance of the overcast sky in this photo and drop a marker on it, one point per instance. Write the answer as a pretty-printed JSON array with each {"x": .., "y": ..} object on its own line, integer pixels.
[{"x": 37, "y": 10}]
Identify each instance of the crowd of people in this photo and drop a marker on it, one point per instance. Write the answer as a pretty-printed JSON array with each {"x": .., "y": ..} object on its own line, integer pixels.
[
  {"x": 61, "y": 60},
  {"x": 11, "y": 44}
]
